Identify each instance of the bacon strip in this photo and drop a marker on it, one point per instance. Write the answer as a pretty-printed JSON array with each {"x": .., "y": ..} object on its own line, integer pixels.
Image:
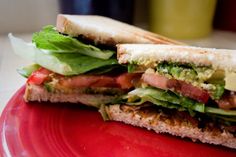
[{"x": 38, "y": 76}]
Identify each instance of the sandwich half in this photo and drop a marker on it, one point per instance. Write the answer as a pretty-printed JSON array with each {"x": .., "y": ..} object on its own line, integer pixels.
[
  {"x": 180, "y": 90},
  {"x": 76, "y": 60},
  {"x": 184, "y": 91}
]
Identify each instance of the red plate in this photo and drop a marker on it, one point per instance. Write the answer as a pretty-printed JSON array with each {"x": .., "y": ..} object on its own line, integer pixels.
[{"x": 48, "y": 130}]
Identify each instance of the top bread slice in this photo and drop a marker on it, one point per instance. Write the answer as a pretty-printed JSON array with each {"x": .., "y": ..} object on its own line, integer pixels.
[
  {"x": 106, "y": 31},
  {"x": 148, "y": 55}
]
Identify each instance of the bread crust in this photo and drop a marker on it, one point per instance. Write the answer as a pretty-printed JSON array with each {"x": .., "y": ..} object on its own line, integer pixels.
[
  {"x": 107, "y": 31},
  {"x": 182, "y": 129},
  {"x": 148, "y": 55}
]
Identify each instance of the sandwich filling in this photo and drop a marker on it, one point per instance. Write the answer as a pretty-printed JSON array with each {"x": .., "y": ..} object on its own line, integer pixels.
[
  {"x": 68, "y": 65},
  {"x": 71, "y": 65},
  {"x": 201, "y": 83},
  {"x": 198, "y": 91}
]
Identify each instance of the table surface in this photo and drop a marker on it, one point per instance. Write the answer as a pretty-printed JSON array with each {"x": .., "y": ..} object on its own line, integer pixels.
[{"x": 11, "y": 81}]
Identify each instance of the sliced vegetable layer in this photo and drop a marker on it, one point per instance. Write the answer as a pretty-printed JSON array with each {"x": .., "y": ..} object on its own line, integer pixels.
[
  {"x": 170, "y": 99},
  {"x": 195, "y": 75}
]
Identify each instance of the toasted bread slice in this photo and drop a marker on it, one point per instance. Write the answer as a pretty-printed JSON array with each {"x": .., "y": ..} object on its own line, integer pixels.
[
  {"x": 148, "y": 55},
  {"x": 156, "y": 121},
  {"x": 107, "y": 31}
]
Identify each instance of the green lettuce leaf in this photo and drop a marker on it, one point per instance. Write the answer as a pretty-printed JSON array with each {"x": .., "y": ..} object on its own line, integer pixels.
[
  {"x": 27, "y": 70},
  {"x": 79, "y": 64},
  {"x": 173, "y": 100},
  {"x": 219, "y": 111},
  {"x": 168, "y": 98},
  {"x": 61, "y": 63},
  {"x": 131, "y": 68},
  {"x": 52, "y": 41}
]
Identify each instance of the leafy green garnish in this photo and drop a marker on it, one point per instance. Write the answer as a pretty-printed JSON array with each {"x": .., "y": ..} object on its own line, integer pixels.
[
  {"x": 221, "y": 111},
  {"x": 171, "y": 100},
  {"x": 61, "y": 63},
  {"x": 218, "y": 91},
  {"x": 168, "y": 98},
  {"x": 131, "y": 68},
  {"x": 107, "y": 69},
  {"x": 79, "y": 64},
  {"x": 51, "y": 40}
]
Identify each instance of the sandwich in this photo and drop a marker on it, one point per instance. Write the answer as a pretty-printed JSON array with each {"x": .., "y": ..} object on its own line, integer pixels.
[
  {"x": 183, "y": 91},
  {"x": 76, "y": 61},
  {"x": 157, "y": 83}
]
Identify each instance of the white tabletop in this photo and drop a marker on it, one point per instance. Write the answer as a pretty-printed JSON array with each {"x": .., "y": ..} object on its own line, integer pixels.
[{"x": 11, "y": 81}]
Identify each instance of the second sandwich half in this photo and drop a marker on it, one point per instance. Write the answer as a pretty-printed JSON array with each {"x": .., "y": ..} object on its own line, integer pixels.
[{"x": 76, "y": 60}]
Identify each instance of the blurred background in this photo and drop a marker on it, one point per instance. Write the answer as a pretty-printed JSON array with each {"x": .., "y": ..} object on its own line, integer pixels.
[
  {"x": 179, "y": 19},
  {"x": 191, "y": 21},
  {"x": 23, "y": 16},
  {"x": 208, "y": 23}
]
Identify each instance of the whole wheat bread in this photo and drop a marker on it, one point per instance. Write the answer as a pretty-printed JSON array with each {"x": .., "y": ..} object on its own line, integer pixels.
[{"x": 152, "y": 121}]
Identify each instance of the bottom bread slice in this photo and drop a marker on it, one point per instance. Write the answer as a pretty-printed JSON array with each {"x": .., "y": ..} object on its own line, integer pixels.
[
  {"x": 154, "y": 121},
  {"x": 40, "y": 94}
]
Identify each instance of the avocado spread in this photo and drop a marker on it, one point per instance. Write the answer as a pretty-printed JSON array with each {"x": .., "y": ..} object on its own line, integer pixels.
[{"x": 201, "y": 76}]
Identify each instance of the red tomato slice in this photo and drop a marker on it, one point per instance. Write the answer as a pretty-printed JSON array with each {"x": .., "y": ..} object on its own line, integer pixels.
[
  {"x": 126, "y": 80},
  {"x": 193, "y": 92},
  {"x": 88, "y": 81},
  {"x": 38, "y": 76},
  {"x": 123, "y": 81},
  {"x": 181, "y": 87},
  {"x": 155, "y": 80}
]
